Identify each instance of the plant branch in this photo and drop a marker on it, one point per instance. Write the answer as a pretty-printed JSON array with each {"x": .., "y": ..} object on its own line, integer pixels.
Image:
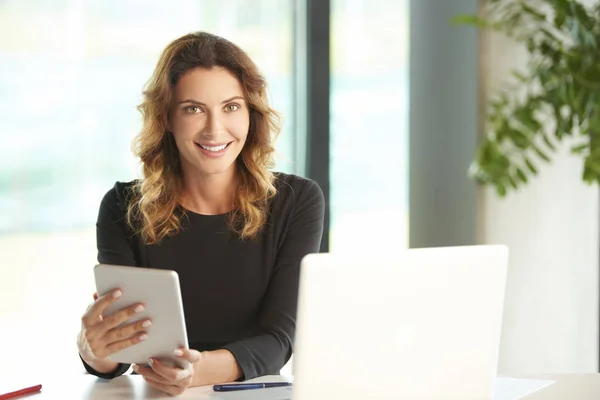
[{"x": 555, "y": 96}]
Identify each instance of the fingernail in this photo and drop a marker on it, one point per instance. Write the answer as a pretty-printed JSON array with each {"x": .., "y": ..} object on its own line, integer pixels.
[
  {"x": 139, "y": 309},
  {"x": 178, "y": 352},
  {"x": 117, "y": 294},
  {"x": 147, "y": 323},
  {"x": 143, "y": 337},
  {"x": 150, "y": 361},
  {"x": 135, "y": 368},
  {"x": 182, "y": 374}
]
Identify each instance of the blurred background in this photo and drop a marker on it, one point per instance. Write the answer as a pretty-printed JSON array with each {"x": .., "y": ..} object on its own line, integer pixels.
[{"x": 71, "y": 75}]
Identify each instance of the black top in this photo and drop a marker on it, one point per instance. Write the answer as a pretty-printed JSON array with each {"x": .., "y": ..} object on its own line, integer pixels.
[{"x": 237, "y": 295}]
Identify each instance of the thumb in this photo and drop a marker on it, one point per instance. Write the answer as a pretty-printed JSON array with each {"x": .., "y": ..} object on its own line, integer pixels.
[{"x": 190, "y": 355}]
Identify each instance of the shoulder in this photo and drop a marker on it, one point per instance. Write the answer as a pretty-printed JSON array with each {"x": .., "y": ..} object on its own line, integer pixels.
[
  {"x": 118, "y": 197},
  {"x": 298, "y": 212},
  {"x": 294, "y": 191},
  {"x": 294, "y": 186}
]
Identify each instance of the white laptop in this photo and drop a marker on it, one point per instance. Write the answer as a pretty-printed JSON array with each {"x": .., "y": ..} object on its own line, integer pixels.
[{"x": 424, "y": 324}]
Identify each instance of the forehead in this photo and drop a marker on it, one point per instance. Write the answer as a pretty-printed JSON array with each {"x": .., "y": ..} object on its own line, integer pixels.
[{"x": 207, "y": 85}]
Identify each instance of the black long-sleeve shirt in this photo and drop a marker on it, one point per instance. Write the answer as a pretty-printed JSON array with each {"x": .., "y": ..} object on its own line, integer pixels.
[{"x": 237, "y": 295}]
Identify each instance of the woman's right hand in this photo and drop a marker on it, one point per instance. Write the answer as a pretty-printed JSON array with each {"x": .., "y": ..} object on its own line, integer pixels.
[{"x": 100, "y": 335}]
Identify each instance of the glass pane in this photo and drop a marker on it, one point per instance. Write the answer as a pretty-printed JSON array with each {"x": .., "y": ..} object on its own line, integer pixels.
[
  {"x": 369, "y": 125},
  {"x": 71, "y": 75}
]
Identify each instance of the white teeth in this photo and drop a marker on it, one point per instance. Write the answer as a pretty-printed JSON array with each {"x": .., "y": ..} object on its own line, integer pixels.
[{"x": 215, "y": 148}]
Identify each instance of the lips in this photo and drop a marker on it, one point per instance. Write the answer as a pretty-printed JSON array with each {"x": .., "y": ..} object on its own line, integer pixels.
[{"x": 213, "y": 150}]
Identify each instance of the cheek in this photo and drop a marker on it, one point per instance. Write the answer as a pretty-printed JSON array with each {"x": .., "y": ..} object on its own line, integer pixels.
[
  {"x": 239, "y": 127},
  {"x": 186, "y": 126}
]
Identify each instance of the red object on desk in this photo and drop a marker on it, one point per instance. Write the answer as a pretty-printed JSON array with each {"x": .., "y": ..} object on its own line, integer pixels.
[{"x": 20, "y": 392}]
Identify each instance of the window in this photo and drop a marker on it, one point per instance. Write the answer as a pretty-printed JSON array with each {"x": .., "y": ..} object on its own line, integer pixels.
[
  {"x": 369, "y": 125},
  {"x": 71, "y": 75}
]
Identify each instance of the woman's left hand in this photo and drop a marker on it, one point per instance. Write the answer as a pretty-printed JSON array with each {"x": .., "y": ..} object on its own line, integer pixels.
[{"x": 171, "y": 380}]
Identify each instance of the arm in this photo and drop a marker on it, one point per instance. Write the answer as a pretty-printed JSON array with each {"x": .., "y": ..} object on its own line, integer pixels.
[
  {"x": 216, "y": 367},
  {"x": 112, "y": 235},
  {"x": 268, "y": 352},
  {"x": 114, "y": 247}
]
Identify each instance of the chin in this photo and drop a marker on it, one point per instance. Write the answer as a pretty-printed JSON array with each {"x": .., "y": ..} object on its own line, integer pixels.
[{"x": 223, "y": 168}]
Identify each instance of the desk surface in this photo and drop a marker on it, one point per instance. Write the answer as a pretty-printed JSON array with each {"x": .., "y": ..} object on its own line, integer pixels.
[
  {"x": 567, "y": 386},
  {"x": 575, "y": 386}
]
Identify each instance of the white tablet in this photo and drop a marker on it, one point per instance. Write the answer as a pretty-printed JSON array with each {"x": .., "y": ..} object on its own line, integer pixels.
[{"x": 159, "y": 291}]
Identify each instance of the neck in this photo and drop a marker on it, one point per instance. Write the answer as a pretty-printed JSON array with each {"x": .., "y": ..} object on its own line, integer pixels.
[{"x": 209, "y": 194}]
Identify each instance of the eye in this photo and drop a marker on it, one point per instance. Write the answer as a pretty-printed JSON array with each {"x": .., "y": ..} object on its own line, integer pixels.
[
  {"x": 232, "y": 107},
  {"x": 193, "y": 110}
]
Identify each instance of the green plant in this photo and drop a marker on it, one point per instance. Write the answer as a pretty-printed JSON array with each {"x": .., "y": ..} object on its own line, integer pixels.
[{"x": 556, "y": 96}]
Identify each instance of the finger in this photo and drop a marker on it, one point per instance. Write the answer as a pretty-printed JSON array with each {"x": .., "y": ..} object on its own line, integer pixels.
[
  {"x": 147, "y": 372},
  {"x": 95, "y": 296},
  {"x": 170, "y": 373},
  {"x": 190, "y": 355},
  {"x": 102, "y": 325},
  {"x": 114, "y": 347},
  {"x": 127, "y": 331},
  {"x": 169, "y": 389},
  {"x": 121, "y": 316},
  {"x": 95, "y": 311}
]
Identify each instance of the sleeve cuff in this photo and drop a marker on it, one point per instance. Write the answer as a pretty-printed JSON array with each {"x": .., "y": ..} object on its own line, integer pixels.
[
  {"x": 120, "y": 370},
  {"x": 244, "y": 357}
]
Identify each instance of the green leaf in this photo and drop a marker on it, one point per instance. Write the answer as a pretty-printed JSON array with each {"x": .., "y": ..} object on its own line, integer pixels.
[
  {"x": 518, "y": 138},
  {"x": 519, "y": 76},
  {"x": 559, "y": 86},
  {"x": 547, "y": 141},
  {"x": 531, "y": 166},
  {"x": 580, "y": 148},
  {"x": 594, "y": 164},
  {"x": 560, "y": 14},
  {"x": 538, "y": 15},
  {"x": 525, "y": 116},
  {"x": 470, "y": 19},
  {"x": 521, "y": 175},
  {"x": 500, "y": 189},
  {"x": 594, "y": 122},
  {"x": 588, "y": 175},
  {"x": 541, "y": 154},
  {"x": 580, "y": 101},
  {"x": 561, "y": 124},
  {"x": 549, "y": 35}
]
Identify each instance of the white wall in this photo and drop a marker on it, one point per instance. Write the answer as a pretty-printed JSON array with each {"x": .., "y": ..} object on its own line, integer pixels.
[{"x": 552, "y": 229}]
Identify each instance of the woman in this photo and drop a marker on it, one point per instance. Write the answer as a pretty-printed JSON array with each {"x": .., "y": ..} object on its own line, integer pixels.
[{"x": 208, "y": 207}]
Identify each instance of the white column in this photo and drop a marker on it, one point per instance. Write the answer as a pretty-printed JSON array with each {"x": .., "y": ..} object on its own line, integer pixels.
[{"x": 551, "y": 227}]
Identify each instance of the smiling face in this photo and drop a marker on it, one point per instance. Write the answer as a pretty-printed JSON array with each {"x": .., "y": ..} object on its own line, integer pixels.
[{"x": 209, "y": 119}]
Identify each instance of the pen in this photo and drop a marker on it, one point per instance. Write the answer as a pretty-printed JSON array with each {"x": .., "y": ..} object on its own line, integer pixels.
[
  {"x": 21, "y": 392},
  {"x": 245, "y": 386}
]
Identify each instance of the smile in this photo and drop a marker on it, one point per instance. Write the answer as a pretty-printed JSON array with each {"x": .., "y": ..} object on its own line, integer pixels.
[{"x": 215, "y": 150}]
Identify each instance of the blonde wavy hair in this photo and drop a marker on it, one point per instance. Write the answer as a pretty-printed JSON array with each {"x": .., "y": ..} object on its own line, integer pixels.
[{"x": 154, "y": 199}]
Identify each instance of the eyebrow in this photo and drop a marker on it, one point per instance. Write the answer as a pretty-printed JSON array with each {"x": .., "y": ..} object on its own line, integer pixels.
[{"x": 202, "y": 104}]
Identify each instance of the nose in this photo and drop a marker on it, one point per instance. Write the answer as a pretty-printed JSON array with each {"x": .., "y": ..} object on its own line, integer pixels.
[{"x": 214, "y": 126}]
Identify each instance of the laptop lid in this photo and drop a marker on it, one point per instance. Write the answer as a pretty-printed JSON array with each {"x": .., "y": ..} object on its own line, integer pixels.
[{"x": 424, "y": 324}]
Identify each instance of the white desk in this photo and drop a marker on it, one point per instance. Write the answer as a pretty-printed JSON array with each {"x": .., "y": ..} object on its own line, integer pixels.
[
  {"x": 126, "y": 387},
  {"x": 568, "y": 386},
  {"x": 86, "y": 387}
]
